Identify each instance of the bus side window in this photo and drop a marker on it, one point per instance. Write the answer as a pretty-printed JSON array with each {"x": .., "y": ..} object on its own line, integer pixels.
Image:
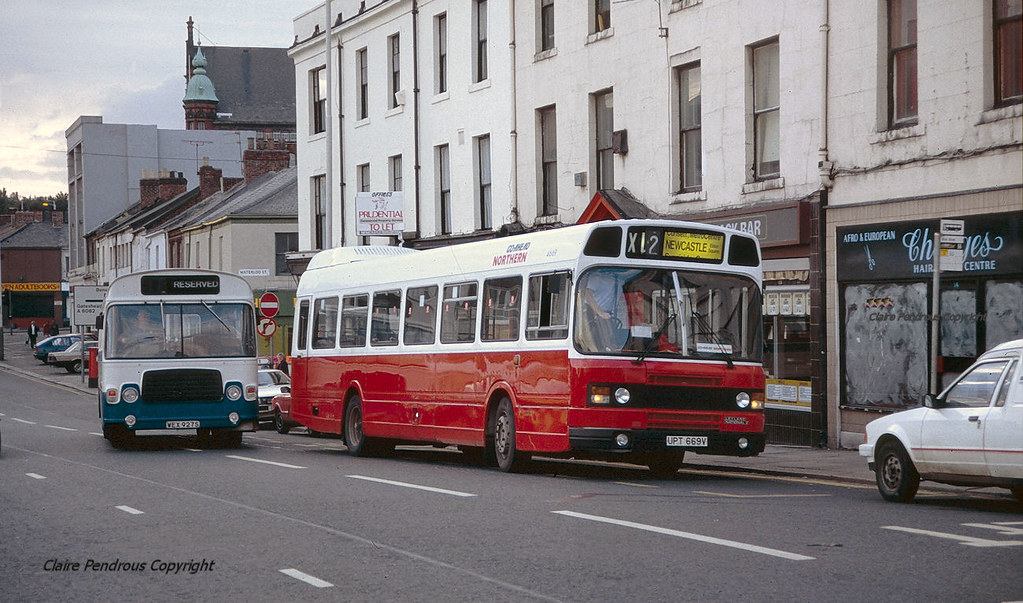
[
  {"x": 354, "y": 316},
  {"x": 303, "y": 323},
  {"x": 420, "y": 315},
  {"x": 384, "y": 328},
  {"x": 502, "y": 303},
  {"x": 325, "y": 323},
  {"x": 458, "y": 314},
  {"x": 547, "y": 312}
]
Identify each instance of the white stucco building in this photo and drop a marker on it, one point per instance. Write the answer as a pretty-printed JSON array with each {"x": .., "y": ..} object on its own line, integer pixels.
[{"x": 805, "y": 122}]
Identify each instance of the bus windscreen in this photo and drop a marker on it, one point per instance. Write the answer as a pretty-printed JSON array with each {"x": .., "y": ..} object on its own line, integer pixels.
[{"x": 170, "y": 330}]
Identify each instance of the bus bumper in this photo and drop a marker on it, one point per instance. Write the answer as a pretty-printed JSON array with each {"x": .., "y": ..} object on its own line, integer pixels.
[{"x": 624, "y": 441}]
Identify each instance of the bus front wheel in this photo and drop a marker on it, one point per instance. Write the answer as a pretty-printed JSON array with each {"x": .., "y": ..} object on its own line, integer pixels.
[
  {"x": 355, "y": 439},
  {"x": 665, "y": 464},
  {"x": 508, "y": 458},
  {"x": 120, "y": 436}
]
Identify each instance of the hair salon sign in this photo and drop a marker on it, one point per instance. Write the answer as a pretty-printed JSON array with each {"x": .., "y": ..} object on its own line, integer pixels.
[{"x": 993, "y": 245}]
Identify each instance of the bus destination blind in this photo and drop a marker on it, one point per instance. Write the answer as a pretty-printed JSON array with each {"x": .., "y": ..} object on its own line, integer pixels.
[
  {"x": 180, "y": 285},
  {"x": 671, "y": 244}
]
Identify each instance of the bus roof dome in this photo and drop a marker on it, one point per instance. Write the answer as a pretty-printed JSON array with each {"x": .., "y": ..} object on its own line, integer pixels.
[{"x": 346, "y": 255}]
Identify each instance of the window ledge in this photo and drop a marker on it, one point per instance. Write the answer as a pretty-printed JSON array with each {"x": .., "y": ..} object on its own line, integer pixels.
[
  {"x": 395, "y": 111},
  {"x": 359, "y": 123},
  {"x": 763, "y": 185},
  {"x": 600, "y": 35},
  {"x": 1000, "y": 113},
  {"x": 439, "y": 97},
  {"x": 678, "y": 5},
  {"x": 693, "y": 197},
  {"x": 898, "y": 134},
  {"x": 479, "y": 86},
  {"x": 543, "y": 55}
]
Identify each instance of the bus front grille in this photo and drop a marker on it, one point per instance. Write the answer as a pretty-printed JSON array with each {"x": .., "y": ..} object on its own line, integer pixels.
[{"x": 182, "y": 385}]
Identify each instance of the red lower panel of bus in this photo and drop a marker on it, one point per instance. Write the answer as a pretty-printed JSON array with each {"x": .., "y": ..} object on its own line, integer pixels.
[{"x": 446, "y": 398}]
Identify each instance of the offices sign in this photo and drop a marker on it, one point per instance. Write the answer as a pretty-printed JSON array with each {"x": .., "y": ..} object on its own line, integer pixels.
[{"x": 380, "y": 213}]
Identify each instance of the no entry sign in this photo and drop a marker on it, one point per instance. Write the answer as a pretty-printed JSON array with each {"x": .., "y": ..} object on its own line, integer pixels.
[{"x": 268, "y": 305}]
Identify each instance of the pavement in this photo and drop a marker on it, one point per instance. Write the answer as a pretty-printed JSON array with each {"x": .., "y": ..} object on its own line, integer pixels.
[{"x": 839, "y": 465}]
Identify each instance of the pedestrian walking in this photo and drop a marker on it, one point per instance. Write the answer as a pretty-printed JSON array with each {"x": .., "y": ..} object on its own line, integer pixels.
[
  {"x": 33, "y": 332},
  {"x": 282, "y": 363}
]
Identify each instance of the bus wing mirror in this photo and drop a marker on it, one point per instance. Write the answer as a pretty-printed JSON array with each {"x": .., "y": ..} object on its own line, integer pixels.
[{"x": 99, "y": 322}]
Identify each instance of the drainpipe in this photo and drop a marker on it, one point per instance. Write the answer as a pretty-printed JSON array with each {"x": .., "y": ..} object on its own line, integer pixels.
[
  {"x": 513, "y": 94},
  {"x": 825, "y": 169},
  {"x": 329, "y": 140},
  {"x": 341, "y": 142},
  {"x": 415, "y": 111}
]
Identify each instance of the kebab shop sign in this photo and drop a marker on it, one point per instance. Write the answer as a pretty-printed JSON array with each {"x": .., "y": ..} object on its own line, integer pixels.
[{"x": 379, "y": 213}]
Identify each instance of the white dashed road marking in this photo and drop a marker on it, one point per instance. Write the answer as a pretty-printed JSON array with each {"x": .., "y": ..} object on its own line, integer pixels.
[
  {"x": 304, "y": 577},
  {"x": 413, "y": 486},
  {"x": 689, "y": 536}
]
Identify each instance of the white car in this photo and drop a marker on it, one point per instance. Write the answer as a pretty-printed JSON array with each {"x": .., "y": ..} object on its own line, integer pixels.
[
  {"x": 272, "y": 382},
  {"x": 969, "y": 435}
]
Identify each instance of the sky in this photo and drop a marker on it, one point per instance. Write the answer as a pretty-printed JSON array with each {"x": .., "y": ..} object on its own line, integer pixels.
[{"x": 122, "y": 60}]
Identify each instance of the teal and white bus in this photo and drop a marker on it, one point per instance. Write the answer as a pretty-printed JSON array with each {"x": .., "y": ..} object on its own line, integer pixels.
[{"x": 178, "y": 352}]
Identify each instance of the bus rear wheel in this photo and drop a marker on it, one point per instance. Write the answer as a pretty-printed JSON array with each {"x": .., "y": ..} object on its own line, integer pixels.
[{"x": 509, "y": 459}]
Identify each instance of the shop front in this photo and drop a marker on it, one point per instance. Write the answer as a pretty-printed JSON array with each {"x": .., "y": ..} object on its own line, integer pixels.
[{"x": 885, "y": 286}]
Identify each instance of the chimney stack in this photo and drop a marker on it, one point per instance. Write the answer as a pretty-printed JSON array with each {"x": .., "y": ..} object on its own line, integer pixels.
[{"x": 166, "y": 186}]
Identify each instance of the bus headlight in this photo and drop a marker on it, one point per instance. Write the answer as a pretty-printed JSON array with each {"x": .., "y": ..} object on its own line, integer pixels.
[
  {"x": 130, "y": 420},
  {"x": 622, "y": 396},
  {"x": 233, "y": 392},
  {"x": 742, "y": 400},
  {"x": 130, "y": 394},
  {"x": 233, "y": 418}
]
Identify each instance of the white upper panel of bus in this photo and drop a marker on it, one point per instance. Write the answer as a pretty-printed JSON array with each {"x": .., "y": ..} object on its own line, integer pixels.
[
  {"x": 560, "y": 248},
  {"x": 128, "y": 287}
]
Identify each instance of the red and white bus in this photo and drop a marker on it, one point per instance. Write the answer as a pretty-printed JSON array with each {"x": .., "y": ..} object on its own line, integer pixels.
[{"x": 633, "y": 340}]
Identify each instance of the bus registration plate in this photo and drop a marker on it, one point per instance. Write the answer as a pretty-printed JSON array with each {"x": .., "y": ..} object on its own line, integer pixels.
[
  {"x": 687, "y": 441},
  {"x": 182, "y": 424}
]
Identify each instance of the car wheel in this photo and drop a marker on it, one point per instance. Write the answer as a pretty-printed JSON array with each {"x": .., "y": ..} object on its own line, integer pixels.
[
  {"x": 508, "y": 458},
  {"x": 279, "y": 423},
  {"x": 897, "y": 478}
]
